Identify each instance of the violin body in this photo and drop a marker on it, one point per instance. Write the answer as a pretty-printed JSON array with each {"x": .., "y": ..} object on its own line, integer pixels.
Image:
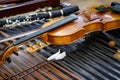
[{"x": 72, "y": 31}]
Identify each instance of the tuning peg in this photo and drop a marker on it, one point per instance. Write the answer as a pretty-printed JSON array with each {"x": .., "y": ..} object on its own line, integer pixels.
[
  {"x": 15, "y": 53},
  {"x": 9, "y": 60}
]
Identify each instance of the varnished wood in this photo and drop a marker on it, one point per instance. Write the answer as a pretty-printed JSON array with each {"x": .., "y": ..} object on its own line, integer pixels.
[
  {"x": 73, "y": 31},
  {"x": 110, "y": 19},
  {"x": 27, "y": 7}
]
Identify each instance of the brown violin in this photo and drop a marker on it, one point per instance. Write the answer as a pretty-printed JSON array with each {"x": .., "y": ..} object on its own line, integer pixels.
[{"x": 86, "y": 23}]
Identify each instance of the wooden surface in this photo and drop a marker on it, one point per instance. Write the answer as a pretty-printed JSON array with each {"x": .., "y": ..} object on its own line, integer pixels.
[
  {"x": 83, "y": 4},
  {"x": 27, "y": 7}
]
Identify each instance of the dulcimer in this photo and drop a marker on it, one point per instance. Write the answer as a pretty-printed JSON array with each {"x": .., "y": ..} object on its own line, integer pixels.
[{"x": 65, "y": 32}]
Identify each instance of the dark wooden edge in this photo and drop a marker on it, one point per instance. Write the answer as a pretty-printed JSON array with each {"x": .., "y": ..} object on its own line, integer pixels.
[{"x": 27, "y": 7}]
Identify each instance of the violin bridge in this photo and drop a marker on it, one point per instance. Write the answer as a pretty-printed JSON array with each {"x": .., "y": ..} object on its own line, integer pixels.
[{"x": 32, "y": 48}]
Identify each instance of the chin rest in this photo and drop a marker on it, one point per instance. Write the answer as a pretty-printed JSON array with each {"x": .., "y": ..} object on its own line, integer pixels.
[{"x": 115, "y": 6}]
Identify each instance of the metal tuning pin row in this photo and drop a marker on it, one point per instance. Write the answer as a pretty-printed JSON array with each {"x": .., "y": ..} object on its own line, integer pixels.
[{"x": 35, "y": 46}]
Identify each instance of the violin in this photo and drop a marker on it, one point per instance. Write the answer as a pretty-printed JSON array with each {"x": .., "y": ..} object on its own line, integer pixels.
[
  {"x": 70, "y": 29},
  {"x": 73, "y": 31}
]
